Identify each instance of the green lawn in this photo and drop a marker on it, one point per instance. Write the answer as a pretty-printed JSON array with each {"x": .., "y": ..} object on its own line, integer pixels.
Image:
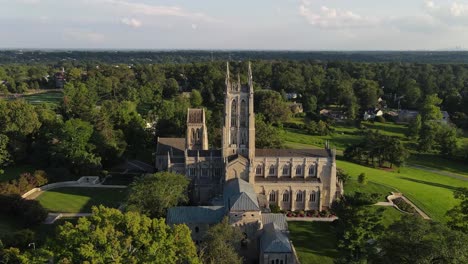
[
  {"x": 11, "y": 173},
  {"x": 52, "y": 97},
  {"x": 80, "y": 200},
  {"x": 352, "y": 186},
  {"x": 440, "y": 163},
  {"x": 315, "y": 242},
  {"x": 433, "y": 193}
]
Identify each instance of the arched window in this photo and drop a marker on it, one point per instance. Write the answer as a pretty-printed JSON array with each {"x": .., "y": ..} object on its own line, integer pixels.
[
  {"x": 286, "y": 170},
  {"x": 286, "y": 196},
  {"x": 299, "y": 196},
  {"x": 259, "y": 170},
  {"x": 272, "y": 196},
  {"x": 234, "y": 113},
  {"x": 272, "y": 170},
  {"x": 243, "y": 112},
  {"x": 313, "y": 196},
  {"x": 234, "y": 137},
  {"x": 299, "y": 170},
  {"x": 312, "y": 170}
]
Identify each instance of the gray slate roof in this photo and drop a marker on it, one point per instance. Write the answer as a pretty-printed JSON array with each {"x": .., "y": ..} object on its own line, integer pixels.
[
  {"x": 166, "y": 144},
  {"x": 274, "y": 241},
  {"x": 292, "y": 153},
  {"x": 240, "y": 195},
  {"x": 279, "y": 220},
  {"x": 195, "y": 214}
]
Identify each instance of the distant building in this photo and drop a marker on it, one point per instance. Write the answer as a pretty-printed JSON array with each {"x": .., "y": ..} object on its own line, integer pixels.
[
  {"x": 445, "y": 117},
  {"x": 334, "y": 114},
  {"x": 406, "y": 116},
  {"x": 291, "y": 96},
  {"x": 59, "y": 78},
  {"x": 296, "y": 108},
  {"x": 372, "y": 113}
]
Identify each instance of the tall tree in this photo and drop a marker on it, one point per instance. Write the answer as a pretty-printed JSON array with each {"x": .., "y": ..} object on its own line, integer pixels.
[
  {"x": 110, "y": 236},
  {"x": 430, "y": 109},
  {"x": 153, "y": 194},
  {"x": 458, "y": 216}
]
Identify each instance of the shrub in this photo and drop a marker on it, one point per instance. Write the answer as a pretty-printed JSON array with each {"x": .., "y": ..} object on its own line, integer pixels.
[
  {"x": 275, "y": 208},
  {"x": 404, "y": 206},
  {"x": 362, "y": 178}
]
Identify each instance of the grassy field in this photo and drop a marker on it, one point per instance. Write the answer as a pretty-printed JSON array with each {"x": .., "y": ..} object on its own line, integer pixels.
[
  {"x": 80, "y": 200},
  {"x": 440, "y": 163},
  {"x": 12, "y": 173},
  {"x": 52, "y": 97},
  {"x": 352, "y": 186},
  {"x": 431, "y": 192},
  {"x": 315, "y": 242}
]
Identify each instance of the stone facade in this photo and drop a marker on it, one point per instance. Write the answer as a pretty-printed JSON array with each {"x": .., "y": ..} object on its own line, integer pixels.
[{"x": 291, "y": 179}]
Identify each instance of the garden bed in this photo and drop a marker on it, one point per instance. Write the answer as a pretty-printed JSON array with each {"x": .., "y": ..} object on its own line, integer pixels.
[{"x": 404, "y": 206}]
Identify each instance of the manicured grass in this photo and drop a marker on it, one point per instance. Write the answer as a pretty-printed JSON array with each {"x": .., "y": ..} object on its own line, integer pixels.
[
  {"x": 80, "y": 200},
  {"x": 352, "y": 186},
  {"x": 432, "y": 193},
  {"x": 52, "y": 97},
  {"x": 315, "y": 242},
  {"x": 11, "y": 173},
  {"x": 440, "y": 163}
]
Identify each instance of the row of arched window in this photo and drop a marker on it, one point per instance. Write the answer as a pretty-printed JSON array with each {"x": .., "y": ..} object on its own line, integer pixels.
[
  {"x": 299, "y": 196},
  {"x": 286, "y": 170},
  {"x": 243, "y": 113}
]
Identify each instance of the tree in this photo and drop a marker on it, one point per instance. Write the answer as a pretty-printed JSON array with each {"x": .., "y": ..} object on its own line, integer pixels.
[
  {"x": 221, "y": 243},
  {"x": 170, "y": 88},
  {"x": 362, "y": 178},
  {"x": 18, "y": 118},
  {"x": 266, "y": 136},
  {"x": 272, "y": 106},
  {"x": 414, "y": 240},
  {"x": 153, "y": 194},
  {"x": 74, "y": 147},
  {"x": 368, "y": 92},
  {"x": 430, "y": 109},
  {"x": 110, "y": 236},
  {"x": 4, "y": 155},
  {"x": 414, "y": 127},
  {"x": 196, "y": 99},
  {"x": 79, "y": 101},
  {"x": 458, "y": 216}
]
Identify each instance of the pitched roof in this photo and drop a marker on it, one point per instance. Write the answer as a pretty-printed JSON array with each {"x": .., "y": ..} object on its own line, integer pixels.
[
  {"x": 165, "y": 145},
  {"x": 274, "y": 241},
  {"x": 291, "y": 153},
  {"x": 195, "y": 214},
  {"x": 240, "y": 195},
  {"x": 279, "y": 220}
]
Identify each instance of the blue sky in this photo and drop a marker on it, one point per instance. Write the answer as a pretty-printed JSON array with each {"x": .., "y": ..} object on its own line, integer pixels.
[{"x": 235, "y": 24}]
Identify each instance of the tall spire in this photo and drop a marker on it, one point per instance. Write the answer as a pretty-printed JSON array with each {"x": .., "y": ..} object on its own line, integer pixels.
[
  {"x": 250, "y": 78},
  {"x": 227, "y": 76}
]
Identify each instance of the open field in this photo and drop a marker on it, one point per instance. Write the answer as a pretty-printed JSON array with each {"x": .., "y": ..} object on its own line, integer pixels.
[
  {"x": 52, "y": 97},
  {"x": 14, "y": 172},
  {"x": 431, "y": 192},
  {"x": 315, "y": 242},
  {"x": 80, "y": 199},
  {"x": 440, "y": 163}
]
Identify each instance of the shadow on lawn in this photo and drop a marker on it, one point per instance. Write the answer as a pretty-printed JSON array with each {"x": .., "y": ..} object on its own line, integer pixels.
[
  {"x": 314, "y": 238},
  {"x": 431, "y": 183}
]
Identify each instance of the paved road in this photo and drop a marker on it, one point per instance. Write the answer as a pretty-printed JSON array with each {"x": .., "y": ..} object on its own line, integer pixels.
[{"x": 440, "y": 172}]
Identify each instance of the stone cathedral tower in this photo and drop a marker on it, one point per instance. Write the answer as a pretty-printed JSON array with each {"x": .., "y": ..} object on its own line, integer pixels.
[{"x": 239, "y": 124}]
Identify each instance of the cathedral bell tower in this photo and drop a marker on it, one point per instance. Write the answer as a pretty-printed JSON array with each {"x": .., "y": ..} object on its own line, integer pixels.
[
  {"x": 197, "y": 133},
  {"x": 239, "y": 119}
]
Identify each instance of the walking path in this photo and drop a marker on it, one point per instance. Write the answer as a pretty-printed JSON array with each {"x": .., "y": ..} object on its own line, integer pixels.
[
  {"x": 400, "y": 195},
  {"x": 52, "y": 217},
  {"x": 440, "y": 172}
]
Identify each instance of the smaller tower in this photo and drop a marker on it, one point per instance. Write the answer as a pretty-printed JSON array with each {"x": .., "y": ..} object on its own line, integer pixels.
[{"x": 197, "y": 132}]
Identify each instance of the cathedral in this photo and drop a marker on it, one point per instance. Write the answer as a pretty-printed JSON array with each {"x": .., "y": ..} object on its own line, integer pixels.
[{"x": 241, "y": 182}]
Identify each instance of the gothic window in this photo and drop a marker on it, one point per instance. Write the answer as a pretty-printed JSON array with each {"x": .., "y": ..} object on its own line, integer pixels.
[
  {"x": 312, "y": 170},
  {"x": 194, "y": 136},
  {"x": 299, "y": 196},
  {"x": 234, "y": 137},
  {"x": 313, "y": 196},
  {"x": 272, "y": 196},
  {"x": 286, "y": 196},
  {"x": 243, "y": 138},
  {"x": 286, "y": 170},
  {"x": 259, "y": 170},
  {"x": 299, "y": 170},
  {"x": 234, "y": 113},
  {"x": 272, "y": 170},
  {"x": 243, "y": 111},
  {"x": 192, "y": 172},
  {"x": 205, "y": 173}
]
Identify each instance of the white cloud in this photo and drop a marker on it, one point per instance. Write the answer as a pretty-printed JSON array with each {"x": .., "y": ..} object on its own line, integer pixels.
[
  {"x": 458, "y": 9},
  {"x": 131, "y": 22},
  {"x": 194, "y": 26},
  {"x": 332, "y": 18},
  {"x": 153, "y": 10}
]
